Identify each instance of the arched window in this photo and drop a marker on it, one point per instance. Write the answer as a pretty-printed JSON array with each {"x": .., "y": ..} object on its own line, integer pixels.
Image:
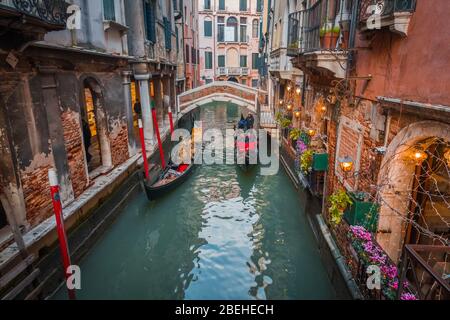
[
  {"x": 231, "y": 34},
  {"x": 255, "y": 28}
]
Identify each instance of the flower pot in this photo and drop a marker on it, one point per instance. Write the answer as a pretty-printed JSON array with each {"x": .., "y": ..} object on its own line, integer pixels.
[{"x": 328, "y": 41}]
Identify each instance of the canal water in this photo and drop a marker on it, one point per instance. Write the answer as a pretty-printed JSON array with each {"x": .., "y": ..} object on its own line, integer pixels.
[{"x": 224, "y": 234}]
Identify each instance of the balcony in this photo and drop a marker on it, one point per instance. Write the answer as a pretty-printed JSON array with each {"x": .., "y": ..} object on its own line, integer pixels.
[
  {"x": 318, "y": 37},
  {"x": 233, "y": 71},
  {"x": 392, "y": 14},
  {"x": 46, "y": 14}
]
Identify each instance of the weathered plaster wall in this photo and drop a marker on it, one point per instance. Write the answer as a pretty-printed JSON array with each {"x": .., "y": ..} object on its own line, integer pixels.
[{"x": 411, "y": 68}]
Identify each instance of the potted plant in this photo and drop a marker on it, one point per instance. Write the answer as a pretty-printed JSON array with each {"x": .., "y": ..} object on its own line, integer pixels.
[
  {"x": 339, "y": 202},
  {"x": 295, "y": 134},
  {"x": 329, "y": 35},
  {"x": 306, "y": 161}
]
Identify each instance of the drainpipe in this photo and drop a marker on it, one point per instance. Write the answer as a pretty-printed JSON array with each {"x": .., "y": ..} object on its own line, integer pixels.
[{"x": 351, "y": 42}]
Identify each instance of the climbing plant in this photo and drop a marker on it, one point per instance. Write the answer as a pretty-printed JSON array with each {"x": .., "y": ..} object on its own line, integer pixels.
[{"x": 339, "y": 202}]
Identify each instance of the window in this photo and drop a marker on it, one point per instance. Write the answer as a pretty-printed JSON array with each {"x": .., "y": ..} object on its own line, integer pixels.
[
  {"x": 254, "y": 83},
  {"x": 109, "y": 12},
  {"x": 255, "y": 28},
  {"x": 243, "y": 61},
  {"x": 149, "y": 17},
  {"x": 220, "y": 29},
  {"x": 207, "y": 5},
  {"x": 243, "y": 30},
  {"x": 221, "y": 4},
  {"x": 194, "y": 55},
  {"x": 243, "y": 5},
  {"x": 244, "y": 81},
  {"x": 208, "y": 28},
  {"x": 208, "y": 81},
  {"x": 232, "y": 24},
  {"x": 255, "y": 61},
  {"x": 259, "y": 6},
  {"x": 221, "y": 61},
  {"x": 208, "y": 60},
  {"x": 188, "y": 53},
  {"x": 167, "y": 33}
]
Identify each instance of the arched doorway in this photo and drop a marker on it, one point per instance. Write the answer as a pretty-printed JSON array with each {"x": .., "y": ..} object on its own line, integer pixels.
[
  {"x": 94, "y": 127},
  {"x": 232, "y": 25},
  {"x": 233, "y": 79},
  {"x": 414, "y": 185}
]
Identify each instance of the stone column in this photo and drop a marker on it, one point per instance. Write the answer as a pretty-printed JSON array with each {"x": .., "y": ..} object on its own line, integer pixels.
[
  {"x": 132, "y": 139},
  {"x": 144, "y": 93}
]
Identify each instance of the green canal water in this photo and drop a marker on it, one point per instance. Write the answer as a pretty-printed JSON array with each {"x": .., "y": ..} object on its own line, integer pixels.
[{"x": 224, "y": 234}]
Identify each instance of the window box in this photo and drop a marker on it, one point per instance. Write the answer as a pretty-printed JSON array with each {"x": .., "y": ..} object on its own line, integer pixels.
[
  {"x": 320, "y": 162},
  {"x": 362, "y": 213}
]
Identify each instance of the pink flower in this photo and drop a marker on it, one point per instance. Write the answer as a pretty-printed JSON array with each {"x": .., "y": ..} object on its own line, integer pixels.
[
  {"x": 408, "y": 297},
  {"x": 361, "y": 233}
]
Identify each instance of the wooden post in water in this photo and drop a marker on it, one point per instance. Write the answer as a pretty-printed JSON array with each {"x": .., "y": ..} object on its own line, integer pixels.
[
  {"x": 158, "y": 136},
  {"x": 57, "y": 207},
  {"x": 144, "y": 151}
]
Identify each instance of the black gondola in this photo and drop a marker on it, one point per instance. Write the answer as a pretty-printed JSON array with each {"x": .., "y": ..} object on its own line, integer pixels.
[{"x": 171, "y": 178}]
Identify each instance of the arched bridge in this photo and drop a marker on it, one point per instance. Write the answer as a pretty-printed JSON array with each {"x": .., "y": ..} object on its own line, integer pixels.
[{"x": 219, "y": 91}]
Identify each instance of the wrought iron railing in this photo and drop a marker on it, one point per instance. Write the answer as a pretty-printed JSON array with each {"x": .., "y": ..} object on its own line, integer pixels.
[
  {"x": 385, "y": 7},
  {"x": 50, "y": 11},
  {"x": 318, "y": 27}
]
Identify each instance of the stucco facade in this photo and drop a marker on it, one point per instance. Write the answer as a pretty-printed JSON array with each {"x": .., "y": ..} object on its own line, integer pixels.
[{"x": 230, "y": 43}]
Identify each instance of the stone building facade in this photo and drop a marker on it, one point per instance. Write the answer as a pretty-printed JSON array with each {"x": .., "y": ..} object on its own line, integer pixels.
[
  {"x": 373, "y": 111},
  {"x": 229, "y": 32},
  {"x": 69, "y": 100}
]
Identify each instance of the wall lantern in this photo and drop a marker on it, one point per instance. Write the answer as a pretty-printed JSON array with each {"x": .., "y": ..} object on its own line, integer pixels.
[
  {"x": 311, "y": 132},
  {"x": 281, "y": 102},
  {"x": 298, "y": 90},
  {"x": 346, "y": 164},
  {"x": 419, "y": 155},
  {"x": 289, "y": 107},
  {"x": 324, "y": 108},
  {"x": 289, "y": 88},
  {"x": 298, "y": 114}
]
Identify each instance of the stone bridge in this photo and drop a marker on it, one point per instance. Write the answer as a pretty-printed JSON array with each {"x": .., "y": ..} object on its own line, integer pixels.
[{"x": 219, "y": 91}]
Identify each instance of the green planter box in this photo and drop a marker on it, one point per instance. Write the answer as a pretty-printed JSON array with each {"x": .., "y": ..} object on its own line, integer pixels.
[
  {"x": 362, "y": 213},
  {"x": 320, "y": 162}
]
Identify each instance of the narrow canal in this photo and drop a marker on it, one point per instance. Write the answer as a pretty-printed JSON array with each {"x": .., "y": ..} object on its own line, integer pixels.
[{"x": 224, "y": 234}]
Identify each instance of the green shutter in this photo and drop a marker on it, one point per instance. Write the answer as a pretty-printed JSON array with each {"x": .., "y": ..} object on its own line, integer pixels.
[
  {"x": 221, "y": 61},
  {"x": 167, "y": 33},
  {"x": 208, "y": 28},
  {"x": 109, "y": 12},
  {"x": 259, "y": 6},
  {"x": 243, "y": 61},
  {"x": 243, "y": 5},
  {"x": 221, "y": 4},
  {"x": 149, "y": 16},
  {"x": 255, "y": 61},
  {"x": 208, "y": 60}
]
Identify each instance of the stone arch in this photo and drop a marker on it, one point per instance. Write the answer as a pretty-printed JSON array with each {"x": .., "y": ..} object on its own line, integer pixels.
[
  {"x": 91, "y": 86},
  {"x": 395, "y": 181}
]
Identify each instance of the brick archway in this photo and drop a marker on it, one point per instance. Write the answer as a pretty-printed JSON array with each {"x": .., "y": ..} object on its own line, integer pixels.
[{"x": 396, "y": 177}]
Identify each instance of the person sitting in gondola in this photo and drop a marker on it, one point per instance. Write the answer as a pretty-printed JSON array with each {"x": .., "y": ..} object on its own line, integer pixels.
[
  {"x": 250, "y": 121},
  {"x": 242, "y": 125}
]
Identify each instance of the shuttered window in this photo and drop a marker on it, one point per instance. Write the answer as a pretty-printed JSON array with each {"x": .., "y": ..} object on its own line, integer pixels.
[
  {"x": 221, "y": 61},
  {"x": 259, "y": 6},
  {"x": 243, "y": 60},
  {"x": 188, "y": 53},
  {"x": 221, "y": 4},
  {"x": 208, "y": 28},
  {"x": 207, "y": 5},
  {"x": 255, "y": 61},
  {"x": 167, "y": 33},
  {"x": 208, "y": 60},
  {"x": 243, "y": 5},
  {"x": 109, "y": 12},
  {"x": 149, "y": 17}
]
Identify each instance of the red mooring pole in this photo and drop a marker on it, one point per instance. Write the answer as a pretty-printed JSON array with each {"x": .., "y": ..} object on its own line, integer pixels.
[
  {"x": 144, "y": 152},
  {"x": 161, "y": 151},
  {"x": 57, "y": 207},
  {"x": 171, "y": 121}
]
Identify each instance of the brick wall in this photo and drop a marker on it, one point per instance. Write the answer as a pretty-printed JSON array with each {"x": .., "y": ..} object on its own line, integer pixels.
[
  {"x": 74, "y": 148},
  {"x": 119, "y": 146},
  {"x": 36, "y": 191}
]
